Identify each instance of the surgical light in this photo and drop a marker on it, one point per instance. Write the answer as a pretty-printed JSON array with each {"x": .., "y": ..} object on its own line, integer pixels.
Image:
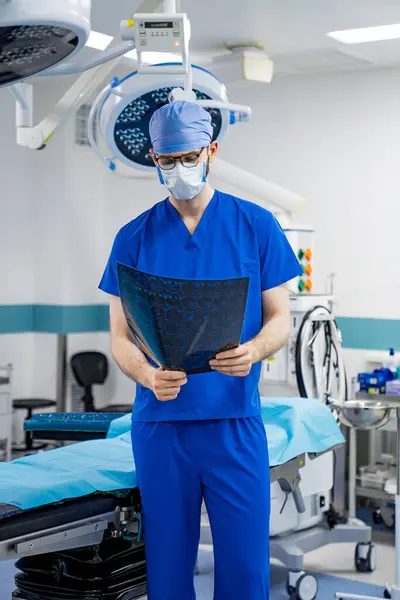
[
  {"x": 124, "y": 108},
  {"x": 35, "y": 36}
]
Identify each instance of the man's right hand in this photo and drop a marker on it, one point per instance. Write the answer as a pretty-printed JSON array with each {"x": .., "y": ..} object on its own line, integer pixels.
[{"x": 166, "y": 385}]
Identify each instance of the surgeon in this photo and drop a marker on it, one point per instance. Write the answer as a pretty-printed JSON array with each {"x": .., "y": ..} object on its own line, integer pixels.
[{"x": 201, "y": 437}]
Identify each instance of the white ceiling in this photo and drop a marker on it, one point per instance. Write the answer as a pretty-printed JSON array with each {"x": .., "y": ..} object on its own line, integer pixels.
[{"x": 293, "y": 32}]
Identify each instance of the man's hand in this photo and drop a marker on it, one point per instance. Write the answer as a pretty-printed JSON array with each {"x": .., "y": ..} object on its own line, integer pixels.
[
  {"x": 236, "y": 362},
  {"x": 166, "y": 385}
]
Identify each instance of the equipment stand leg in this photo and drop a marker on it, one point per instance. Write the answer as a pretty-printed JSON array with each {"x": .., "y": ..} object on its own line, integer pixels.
[
  {"x": 61, "y": 373},
  {"x": 352, "y": 472},
  {"x": 395, "y": 589}
]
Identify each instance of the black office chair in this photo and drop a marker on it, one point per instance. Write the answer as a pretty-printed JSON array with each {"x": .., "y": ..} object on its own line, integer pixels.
[
  {"x": 89, "y": 369},
  {"x": 29, "y": 405}
]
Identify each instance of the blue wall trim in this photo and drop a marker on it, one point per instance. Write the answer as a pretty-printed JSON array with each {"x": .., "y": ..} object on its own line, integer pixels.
[
  {"x": 46, "y": 318},
  {"x": 358, "y": 333},
  {"x": 370, "y": 334},
  {"x": 16, "y": 319}
]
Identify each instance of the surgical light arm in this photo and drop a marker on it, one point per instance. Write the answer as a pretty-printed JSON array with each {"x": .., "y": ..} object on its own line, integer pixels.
[
  {"x": 37, "y": 136},
  {"x": 253, "y": 185}
]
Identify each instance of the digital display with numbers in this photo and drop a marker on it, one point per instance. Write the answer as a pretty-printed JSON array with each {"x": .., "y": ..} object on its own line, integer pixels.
[{"x": 159, "y": 25}]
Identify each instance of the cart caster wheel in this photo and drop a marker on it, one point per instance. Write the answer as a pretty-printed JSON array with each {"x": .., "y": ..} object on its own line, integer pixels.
[
  {"x": 306, "y": 588},
  {"x": 365, "y": 558}
]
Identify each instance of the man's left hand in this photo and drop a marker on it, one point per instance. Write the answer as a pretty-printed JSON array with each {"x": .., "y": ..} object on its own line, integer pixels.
[{"x": 236, "y": 362}]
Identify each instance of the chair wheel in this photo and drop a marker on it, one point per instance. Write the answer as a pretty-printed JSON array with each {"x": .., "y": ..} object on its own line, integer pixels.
[{"x": 364, "y": 558}]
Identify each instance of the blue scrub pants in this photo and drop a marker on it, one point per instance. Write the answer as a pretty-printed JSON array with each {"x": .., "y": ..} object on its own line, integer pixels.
[{"x": 225, "y": 462}]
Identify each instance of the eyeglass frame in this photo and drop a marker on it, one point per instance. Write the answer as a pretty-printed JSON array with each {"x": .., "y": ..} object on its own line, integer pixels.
[{"x": 181, "y": 159}]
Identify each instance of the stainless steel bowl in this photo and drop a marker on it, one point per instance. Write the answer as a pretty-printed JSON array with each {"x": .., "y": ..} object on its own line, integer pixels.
[{"x": 364, "y": 414}]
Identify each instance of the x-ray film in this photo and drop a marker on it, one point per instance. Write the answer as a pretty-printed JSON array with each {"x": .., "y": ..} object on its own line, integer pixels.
[{"x": 182, "y": 324}]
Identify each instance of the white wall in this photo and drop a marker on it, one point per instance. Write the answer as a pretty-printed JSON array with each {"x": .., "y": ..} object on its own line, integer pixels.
[
  {"x": 17, "y": 238},
  {"x": 335, "y": 140},
  {"x": 81, "y": 206},
  {"x": 331, "y": 138}
]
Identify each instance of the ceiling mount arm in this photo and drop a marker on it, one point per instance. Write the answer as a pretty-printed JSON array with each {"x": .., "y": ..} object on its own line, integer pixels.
[
  {"x": 36, "y": 137},
  {"x": 169, "y": 6},
  {"x": 23, "y": 94}
]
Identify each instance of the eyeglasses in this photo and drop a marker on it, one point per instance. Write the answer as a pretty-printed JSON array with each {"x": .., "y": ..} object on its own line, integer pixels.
[{"x": 190, "y": 160}]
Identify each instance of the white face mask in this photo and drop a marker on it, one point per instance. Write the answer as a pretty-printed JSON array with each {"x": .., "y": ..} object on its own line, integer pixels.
[{"x": 182, "y": 182}]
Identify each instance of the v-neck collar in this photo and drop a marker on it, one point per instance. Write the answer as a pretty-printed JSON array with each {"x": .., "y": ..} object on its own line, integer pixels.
[{"x": 190, "y": 240}]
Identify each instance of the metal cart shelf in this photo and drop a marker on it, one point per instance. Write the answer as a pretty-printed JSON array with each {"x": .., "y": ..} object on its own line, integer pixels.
[
  {"x": 372, "y": 493},
  {"x": 358, "y": 490}
]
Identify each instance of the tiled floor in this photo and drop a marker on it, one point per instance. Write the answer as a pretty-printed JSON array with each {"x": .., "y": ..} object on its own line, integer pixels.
[
  {"x": 327, "y": 584},
  {"x": 339, "y": 561}
]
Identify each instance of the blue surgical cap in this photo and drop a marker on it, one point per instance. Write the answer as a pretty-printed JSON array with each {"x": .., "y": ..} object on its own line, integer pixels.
[{"x": 180, "y": 126}]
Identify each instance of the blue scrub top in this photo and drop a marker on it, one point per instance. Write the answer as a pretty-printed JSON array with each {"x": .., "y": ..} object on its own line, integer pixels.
[{"x": 234, "y": 238}]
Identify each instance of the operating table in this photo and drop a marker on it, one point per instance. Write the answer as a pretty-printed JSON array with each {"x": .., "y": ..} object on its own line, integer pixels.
[{"x": 71, "y": 517}]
